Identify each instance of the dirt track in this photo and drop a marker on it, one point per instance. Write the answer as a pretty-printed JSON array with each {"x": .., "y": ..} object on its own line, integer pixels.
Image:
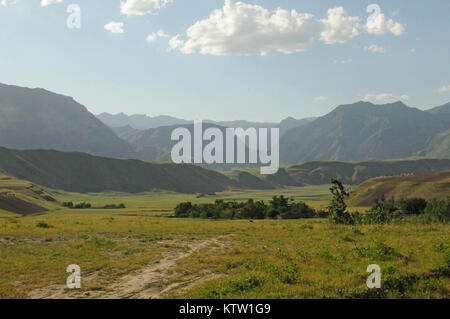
[{"x": 148, "y": 282}]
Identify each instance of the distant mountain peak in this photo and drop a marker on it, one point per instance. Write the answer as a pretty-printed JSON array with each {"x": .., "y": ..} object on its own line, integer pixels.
[{"x": 40, "y": 119}]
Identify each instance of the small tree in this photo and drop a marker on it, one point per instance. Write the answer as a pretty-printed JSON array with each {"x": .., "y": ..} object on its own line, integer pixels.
[{"x": 337, "y": 209}]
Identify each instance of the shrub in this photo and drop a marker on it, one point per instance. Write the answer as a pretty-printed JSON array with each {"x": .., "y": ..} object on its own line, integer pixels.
[
  {"x": 287, "y": 273},
  {"x": 378, "y": 250},
  {"x": 43, "y": 225},
  {"x": 67, "y": 204},
  {"x": 382, "y": 212},
  {"x": 438, "y": 210},
  {"x": 248, "y": 282},
  {"x": 298, "y": 210},
  {"x": 183, "y": 209},
  {"x": 413, "y": 206}
]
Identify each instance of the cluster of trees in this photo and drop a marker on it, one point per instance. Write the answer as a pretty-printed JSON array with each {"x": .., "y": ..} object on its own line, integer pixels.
[
  {"x": 385, "y": 211},
  {"x": 84, "y": 205},
  {"x": 278, "y": 207},
  {"x": 382, "y": 212}
]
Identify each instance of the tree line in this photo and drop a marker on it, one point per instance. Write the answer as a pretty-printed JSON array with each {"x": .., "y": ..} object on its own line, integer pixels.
[
  {"x": 278, "y": 207},
  {"x": 383, "y": 211}
]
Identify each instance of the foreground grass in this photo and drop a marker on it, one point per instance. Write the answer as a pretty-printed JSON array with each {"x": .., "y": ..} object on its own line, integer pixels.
[{"x": 262, "y": 259}]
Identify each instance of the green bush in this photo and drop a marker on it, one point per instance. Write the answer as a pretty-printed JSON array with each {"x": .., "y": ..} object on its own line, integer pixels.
[
  {"x": 183, "y": 209},
  {"x": 377, "y": 250},
  {"x": 413, "y": 206},
  {"x": 67, "y": 204},
  {"x": 382, "y": 212},
  {"x": 438, "y": 210},
  {"x": 43, "y": 225}
]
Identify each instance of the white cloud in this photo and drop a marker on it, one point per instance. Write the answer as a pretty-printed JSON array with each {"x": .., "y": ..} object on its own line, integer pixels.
[
  {"x": 141, "y": 7},
  {"x": 45, "y": 3},
  {"x": 240, "y": 28},
  {"x": 114, "y": 27},
  {"x": 321, "y": 98},
  {"x": 155, "y": 35},
  {"x": 444, "y": 89},
  {"x": 339, "y": 28},
  {"x": 5, "y": 3},
  {"x": 244, "y": 29},
  {"x": 385, "y": 97},
  {"x": 379, "y": 26},
  {"x": 375, "y": 48}
]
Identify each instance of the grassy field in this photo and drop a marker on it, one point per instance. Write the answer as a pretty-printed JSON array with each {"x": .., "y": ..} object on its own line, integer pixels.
[
  {"x": 316, "y": 196},
  {"x": 141, "y": 252}
]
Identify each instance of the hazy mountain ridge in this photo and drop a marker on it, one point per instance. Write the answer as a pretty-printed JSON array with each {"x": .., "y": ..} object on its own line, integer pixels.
[
  {"x": 145, "y": 122},
  {"x": 363, "y": 131},
  {"x": 39, "y": 119},
  {"x": 139, "y": 121},
  {"x": 438, "y": 110}
]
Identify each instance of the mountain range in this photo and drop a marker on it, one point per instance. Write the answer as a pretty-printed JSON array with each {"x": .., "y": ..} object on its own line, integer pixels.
[
  {"x": 145, "y": 122},
  {"x": 39, "y": 119},
  {"x": 364, "y": 131}
]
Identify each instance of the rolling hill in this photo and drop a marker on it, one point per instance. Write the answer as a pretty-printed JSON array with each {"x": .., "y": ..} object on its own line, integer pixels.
[
  {"x": 80, "y": 172},
  {"x": 39, "y": 119},
  {"x": 321, "y": 172},
  {"x": 363, "y": 131},
  {"x": 23, "y": 197},
  {"x": 429, "y": 186}
]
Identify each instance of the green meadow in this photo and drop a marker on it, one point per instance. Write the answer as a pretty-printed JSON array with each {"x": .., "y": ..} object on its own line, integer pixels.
[
  {"x": 317, "y": 196},
  {"x": 143, "y": 252}
]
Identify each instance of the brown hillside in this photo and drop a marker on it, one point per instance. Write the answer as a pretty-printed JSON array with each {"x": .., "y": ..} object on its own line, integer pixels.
[
  {"x": 436, "y": 185},
  {"x": 23, "y": 197}
]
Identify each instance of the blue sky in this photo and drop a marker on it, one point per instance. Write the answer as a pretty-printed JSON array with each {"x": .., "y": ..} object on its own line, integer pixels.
[{"x": 244, "y": 63}]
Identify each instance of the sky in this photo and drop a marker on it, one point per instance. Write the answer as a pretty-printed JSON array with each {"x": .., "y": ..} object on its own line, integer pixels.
[{"x": 255, "y": 60}]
